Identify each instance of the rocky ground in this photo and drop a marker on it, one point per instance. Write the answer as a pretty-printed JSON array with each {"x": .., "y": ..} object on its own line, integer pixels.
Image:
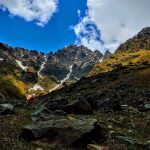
[
  {"x": 110, "y": 110},
  {"x": 124, "y": 130}
]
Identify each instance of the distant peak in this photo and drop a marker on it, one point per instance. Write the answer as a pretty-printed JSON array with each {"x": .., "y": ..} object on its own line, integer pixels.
[
  {"x": 139, "y": 41},
  {"x": 107, "y": 54},
  {"x": 146, "y": 29},
  {"x": 144, "y": 32},
  {"x": 4, "y": 46}
]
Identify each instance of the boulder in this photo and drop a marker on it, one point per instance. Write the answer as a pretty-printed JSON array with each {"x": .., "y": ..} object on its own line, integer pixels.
[
  {"x": 6, "y": 109},
  {"x": 83, "y": 106},
  {"x": 146, "y": 107},
  {"x": 67, "y": 132}
]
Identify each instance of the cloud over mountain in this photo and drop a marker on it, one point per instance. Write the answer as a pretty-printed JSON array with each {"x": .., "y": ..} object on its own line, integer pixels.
[
  {"x": 117, "y": 21},
  {"x": 31, "y": 10}
]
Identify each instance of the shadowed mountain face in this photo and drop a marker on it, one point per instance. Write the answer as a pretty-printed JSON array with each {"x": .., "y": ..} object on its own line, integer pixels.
[
  {"x": 82, "y": 59},
  {"x": 33, "y": 72}
]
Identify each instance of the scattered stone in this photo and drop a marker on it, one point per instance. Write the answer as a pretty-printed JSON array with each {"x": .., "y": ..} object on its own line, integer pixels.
[
  {"x": 39, "y": 149},
  {"x": 110, "y": 126},
  {"x": 6, "y": 109},
  {"x": 129, "y": 108},
  {"x": 125, "y": 140},
  {"x": 146, "y": 107}
]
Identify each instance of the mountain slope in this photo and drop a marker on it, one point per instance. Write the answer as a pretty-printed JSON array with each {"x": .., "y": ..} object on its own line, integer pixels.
[
  {"x": 140, "y": 41},
  {"x": 134, "y": 51},
  {"x": 122, "y": 77},
  {"x": 33, "y": 72}
]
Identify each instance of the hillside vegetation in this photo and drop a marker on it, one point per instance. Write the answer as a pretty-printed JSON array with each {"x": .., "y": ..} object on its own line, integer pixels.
[{"x": 122, "y": 58}]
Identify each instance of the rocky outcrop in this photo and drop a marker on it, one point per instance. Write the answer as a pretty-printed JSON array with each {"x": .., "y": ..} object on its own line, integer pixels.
[{"x": 69, "y": 132}]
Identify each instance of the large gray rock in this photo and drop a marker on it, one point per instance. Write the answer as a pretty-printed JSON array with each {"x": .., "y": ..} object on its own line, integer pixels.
[
  {"x": 83, "y": 106},
  {"x": 6, "y": 109},
  {"x": 64, "y": 132}
]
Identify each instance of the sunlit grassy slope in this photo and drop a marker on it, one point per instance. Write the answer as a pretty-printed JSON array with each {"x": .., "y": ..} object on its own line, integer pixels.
[
  {"x": 124, "y": 58},
  {"x": 12, "y": 85}
]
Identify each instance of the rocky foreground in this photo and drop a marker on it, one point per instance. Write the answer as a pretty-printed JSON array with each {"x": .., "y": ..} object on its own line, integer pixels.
[
  {"x": 107, "y": 111},
  {"x": 119, "y": 130}
]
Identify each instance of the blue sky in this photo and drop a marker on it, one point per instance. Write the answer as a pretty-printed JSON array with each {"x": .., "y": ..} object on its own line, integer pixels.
[
  {"x": 48, "y": 25},
  {"x": 56, "y": 34}
]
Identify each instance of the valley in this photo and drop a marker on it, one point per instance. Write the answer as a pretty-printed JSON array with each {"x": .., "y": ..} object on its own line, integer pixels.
[{"x": 84, "y": 100}]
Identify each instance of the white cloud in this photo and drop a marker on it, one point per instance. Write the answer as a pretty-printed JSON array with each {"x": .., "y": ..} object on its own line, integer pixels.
[
  {"x": 118, "y": 20},
  {"x": 31, "y": 10},
  {"x": 87, "y": 34}
]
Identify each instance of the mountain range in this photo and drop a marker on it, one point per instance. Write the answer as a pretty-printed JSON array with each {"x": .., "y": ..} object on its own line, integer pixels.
[
  {"x": 32, "y": 72},
  {"x": 84, "y": 100}
]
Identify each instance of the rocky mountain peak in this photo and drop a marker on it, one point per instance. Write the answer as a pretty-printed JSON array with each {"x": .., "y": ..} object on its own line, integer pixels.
[
  {"x": 5, "y": 47},
  {"x": 144, "y": 32},
  {"x": 74, "y": 53},
  {"x": 98, "y": 54},
  {"x": 139, "y": 41},
  {"x": 107, "y": 54},
  {"x": 80, "y": 58}
]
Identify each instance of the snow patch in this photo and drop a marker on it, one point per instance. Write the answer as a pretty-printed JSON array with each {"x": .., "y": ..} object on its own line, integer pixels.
[
  {"x": 62, "y": 81},
  {"x": 20, "y": 65},
  {"x": 77, "y": 78},
  {"x": 100, "y": 60},
  {"x": 42, "y": 67},
  {"x": 36, "y": 87}
]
